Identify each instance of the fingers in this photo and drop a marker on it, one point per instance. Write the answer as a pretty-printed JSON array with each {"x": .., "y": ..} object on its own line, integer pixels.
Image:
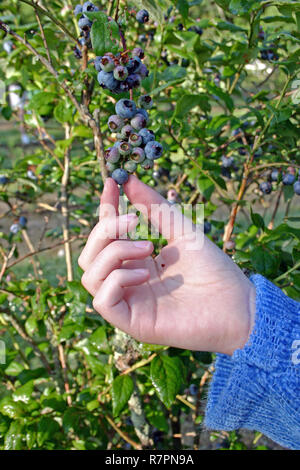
[
  {"x": 109, "y": 199},
  {"x": 164, "y": 216},
  {"x": 104, "y": 232},
  {"x": 111, "y": 259},
  {"x": 109, "y": 301}
]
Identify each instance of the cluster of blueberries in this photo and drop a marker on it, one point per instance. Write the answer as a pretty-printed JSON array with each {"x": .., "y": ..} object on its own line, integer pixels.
[
  {"x": 287, "y": 179},
  {"x": 135, "y": 143},
  {"x": 119, "y": 73}
]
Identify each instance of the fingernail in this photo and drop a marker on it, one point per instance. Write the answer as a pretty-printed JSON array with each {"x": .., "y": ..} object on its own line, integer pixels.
[
  {"x": 141, "y": 272},
  {"x": 142, "y": 244}
]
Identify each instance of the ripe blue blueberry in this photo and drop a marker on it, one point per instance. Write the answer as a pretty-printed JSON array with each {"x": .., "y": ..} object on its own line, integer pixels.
[
  {"x": 84, "y": 23},
  {"x": 133, "y": 81},
  {"x": 145, "y": 102},
  {"x": 265, "y": 187},
  {"x": 135, "y": 140},
  {"x": 120, "y": 176},
  {"x": 275, "y": 175},
  {"x": 153, "y": 150},
  {"x": 137, "y": 155},
  {"x": 107, "y": 64},
  {"x": 112, "y": 154},
  {"x": 193, "y": 389},
  {"x": 227, "y": 162},
  {"x": 207, "y": 227},
  {"x": 107, "y": 80},
  {"x": 22, "y": 221},
  {"x": 120, "y": 73},
  {"x": 143, "y": 71},
  {"x": 78, "y": 10},
  {"x": 134, "y": 64},
  {"x": 130, "y": 166},
  {"x": 142, "y": 16},
  {"x": 126, "y": 108},
  {"x": 89, "y": 6},
  {"x": 288, "y": 179},
  {"x": 115, "y": 123},
  {"x": 147, "y": 135},
  {"x": 297, "y": 188},
  {"x": 3, "y": 179},
  {"x": 138, "y": 122}
]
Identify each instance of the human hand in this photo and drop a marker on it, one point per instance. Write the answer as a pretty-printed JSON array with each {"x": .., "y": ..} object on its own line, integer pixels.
[{"x": 197, "y": 300}]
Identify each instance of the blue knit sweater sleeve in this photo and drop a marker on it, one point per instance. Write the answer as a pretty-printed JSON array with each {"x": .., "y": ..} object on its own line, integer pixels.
[{"x": 258, "y": 387}]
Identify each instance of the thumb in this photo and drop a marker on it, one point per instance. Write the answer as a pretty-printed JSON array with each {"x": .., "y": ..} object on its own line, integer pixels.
[{"x": 166, "y": 217}]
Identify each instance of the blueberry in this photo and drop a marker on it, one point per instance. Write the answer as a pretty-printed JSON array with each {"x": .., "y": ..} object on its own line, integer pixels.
[
  {"x": 145, "y": 102},
  {"x": 134, "y": 64},
  {"x": 297, "y": 188},
  {"x": 78, "y": 10},
  {"x": 242, "y": 151},
  {"x": 31, "y": 175},
  {"x": 3, "y": 179},
  {"x": 143, "y": 71},
  {"x": 110, "y": 166},
  {"x": 147, "y": 164},
  {"x": 130, "y": 166},
  {"x": 120, "y": 176},
  {"x": 89, "y": 6},
  {"x": 84, "y": 23},
  {"x": 153, "y": 150},
  {"x": 138, "y": 52},
  {"x": 142, "y": 16},
  {"x": 120, "y": 73},
  {"x": 125, "y": 148},
  {"x": 22, "y": 221},
  {"x": 14, "y": 228},
  {"x": 227, "y": 162},
  {"x": 143, "y": 112},
  {"x": 275, "y": 175},
  {"x": 265, "y": 187},
  {"x": 147, "y": 135},
  {"x": 115, "y": 123},
  {"x": 135, "y": 140},
  {"x": 196, "y": 29},
  {"x": 142, "y": 38},
  {"x": 193, "y": 389},
  {"x": 137, "y": 155},
  {"x": 107, "y": 63},
  {"x": 126, "y": 108},
  {"x": 97, "y": 63},
  {"x": 207, "y": 227},
  {"x": 112, "y": 154},
  {"x": 180, "y": 27},
  {"x": 133, "y": 81},
  {"x": 127, "y": 131},
  {"x": 107, "y": 80},
  {"x": 138, "y": 122},
  {"x": 288, "y": 179},
  {"x": 264, "y": 55}
]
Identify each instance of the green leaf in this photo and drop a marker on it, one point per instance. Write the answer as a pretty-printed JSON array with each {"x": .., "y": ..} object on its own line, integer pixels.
[
  {"x": 122, "y": 389},
  {"x": 257, "y": 220},
  {"x": 14, "y": 369},
  {"x": 13, "y": 438},
  {"x": 105, "y": 35},
  {"x": 264, "y": 261},
  {"x": 63, "y": 113},
  {"x": 175, "y": 72},
  {"x": 24, "y": 392},
  {"x": 183, "y": 8},
  {"x": 186, "y": 103},
  {"x": 166, "y": 376},
  {"x": 99, "y": 340},
  {"x": 47, "y": 427},
  {"x": 10, "y": 408}
]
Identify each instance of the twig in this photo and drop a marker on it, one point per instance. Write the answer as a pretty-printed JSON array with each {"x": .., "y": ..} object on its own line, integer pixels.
[
  {"x": 271, "y": 224},
  {"x": 123, "y": 435},
  {"x": 43, "y": 35},
  {"x": 64, "y": 207},
  {"x": 282, "y": 276},
  {"x": 6, "y": 260},
  {"x": 64, "y": 372}
]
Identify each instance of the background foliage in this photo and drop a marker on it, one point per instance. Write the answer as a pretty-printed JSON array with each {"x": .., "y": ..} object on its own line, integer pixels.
[{"x": 70, "y": 380}]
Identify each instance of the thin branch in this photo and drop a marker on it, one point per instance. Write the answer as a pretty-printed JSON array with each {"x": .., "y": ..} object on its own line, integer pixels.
[
  {"x": 123, "y": 435},
  {"x": 43, "y": 36}
]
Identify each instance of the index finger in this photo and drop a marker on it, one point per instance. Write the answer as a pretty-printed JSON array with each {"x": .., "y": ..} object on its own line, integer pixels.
[{"x": 109, "y": 202}]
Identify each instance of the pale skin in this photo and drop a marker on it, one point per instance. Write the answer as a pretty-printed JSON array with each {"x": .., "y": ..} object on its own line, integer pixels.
[{"x": 198, "y": 300}]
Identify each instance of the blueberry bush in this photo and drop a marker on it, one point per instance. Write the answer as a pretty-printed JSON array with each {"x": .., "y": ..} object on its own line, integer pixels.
[{"x": 200, "y": 100}]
